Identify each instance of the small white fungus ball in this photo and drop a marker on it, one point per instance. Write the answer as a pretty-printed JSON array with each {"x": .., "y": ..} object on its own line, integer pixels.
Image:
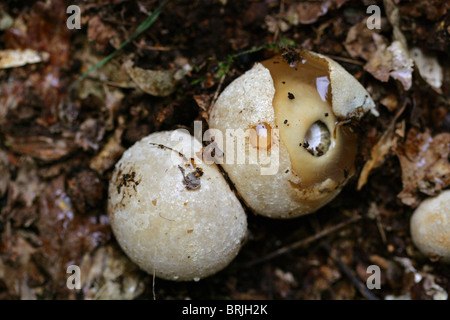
[
  {"x": 430, "y": 227},
  {"x": 172, "y": 214}
]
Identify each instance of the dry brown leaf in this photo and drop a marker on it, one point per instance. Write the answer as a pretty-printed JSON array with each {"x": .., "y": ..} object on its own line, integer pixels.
[
  {"x": 4, "y": 172},
  {"x": 384, "y": 60},
  {"x": 379, "y": 60},
  {"x": 359, "y": 42},
  {"x": 379, "y": 151},
  {"x": 425, "y": 165},
  {"x": 90, "y": 134},
  {"x": 14, "y": 269},
  {"x": 109, "y": 155},
  {"x": 40, "y": 147},
  {"x": 101, "y": 34},
  {"x": 65, "y": 235},
  {"x": 110, "y": 275},
  {"x": 390, "y": 61},
  {"x": 27, "y": 185},
  {"x": 113, "y": 101},
  {"x": 309, "y": 12},
  {"x": 429, "y": 68},
  {"x": 6, "y": 21},
  {"x": 154, "y": 82},
  {"x": 377, "y": 155},
  {"x": 17, "y": 58},
  {"x": 390, "y": 101},
  {"x": 203, "y": 101}
]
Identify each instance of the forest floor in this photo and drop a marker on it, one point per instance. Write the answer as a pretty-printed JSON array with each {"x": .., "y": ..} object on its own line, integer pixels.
[{"x": 60, "y": 139}]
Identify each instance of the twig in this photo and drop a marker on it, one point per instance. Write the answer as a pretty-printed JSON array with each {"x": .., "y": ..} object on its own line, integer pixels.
[
  {"x": 381, "y": 229},
  {"x": 353, "y": 61},
  {"x": 216, "y": 94},
  {"x": 153, "y": 284},
  {"x": 280, "y": 13},
  {"x": 349, "y": 273},
  {"x": 295, "y": 245}
]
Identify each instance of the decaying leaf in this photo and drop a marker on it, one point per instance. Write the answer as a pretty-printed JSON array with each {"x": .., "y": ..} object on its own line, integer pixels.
[
  {"x": 27, "y": 185},
  {"x": 384, "y": 60},
  {"x": 401, "y": 67},
  {"x": 390, "y": 61},
  {"x": 111, "y": 73},
  {"x": 380, "y": 150},
  {"x": 42, "y": 27},
  {"x": 15, "y": 271},
  {"x": 273, "y": 24},
  {"x": 6, "y": 21},
  {"x": 422, "y": 287},
  {"x": 390, "y": 102},
  {"x": 108, "y": 156},
  {"x": 4, "y": 172},
  {"x": 85, "y": 191},
  {"x": 13, "y": 58},
  {"x": 113, "y": 100},
  {"x": 65, "y": 235},
  {"x": 377, "y": 155},
  {"x": 158, "y": 83},
  {"x": 424, "y": 161},
  {"x": 90, "y": 134},
  {"x": 308, "y": 12},
  {"x": 110, "y": 275},
  {"x": 429, "y": 68},
  {"x": 101, "y": 34},
  {"x": 203, "y": 101},
  {"x": 40, "y": 147}
]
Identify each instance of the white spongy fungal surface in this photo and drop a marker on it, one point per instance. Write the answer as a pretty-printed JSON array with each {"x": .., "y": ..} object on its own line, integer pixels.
[
  {"x": 430, "y": 226},
  {"x": 350, "y": 98},
  {"x": 164, "y": 227}
]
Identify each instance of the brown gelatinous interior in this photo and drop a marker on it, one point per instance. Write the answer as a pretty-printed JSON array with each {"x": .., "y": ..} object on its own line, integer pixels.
[{"x": 303, "y": 97}]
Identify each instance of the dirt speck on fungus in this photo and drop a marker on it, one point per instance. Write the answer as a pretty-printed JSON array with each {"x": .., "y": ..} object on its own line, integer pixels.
[
  {"x": 192, "y": 179},
  {"x": 126, "y": 180}
]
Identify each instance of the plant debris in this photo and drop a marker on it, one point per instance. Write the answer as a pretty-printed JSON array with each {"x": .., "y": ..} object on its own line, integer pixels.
[
  {"x": 424, "y": 160},
  {"x": 60, "y": 140}
]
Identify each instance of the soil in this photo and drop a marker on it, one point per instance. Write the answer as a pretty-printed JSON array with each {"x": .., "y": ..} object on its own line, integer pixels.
[{"x": 60, "y": 139}]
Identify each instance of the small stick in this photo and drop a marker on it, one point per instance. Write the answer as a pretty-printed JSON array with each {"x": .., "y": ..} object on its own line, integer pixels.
[
  {"x": 381, "y": 229},
  {"x": 153, "y": 284},
  {"x": 349, "y": 273},
  {"x": 295, "y": 245},
  {"x": 216, "y": 94},
  {"x": 343, "y": 59},
  {"x": 280, "y": 13}
]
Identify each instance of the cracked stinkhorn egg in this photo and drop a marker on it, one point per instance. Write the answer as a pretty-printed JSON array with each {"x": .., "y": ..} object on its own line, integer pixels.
[
  {"x": 172, "y": 214},
  {"x": 305, "y": 100}
]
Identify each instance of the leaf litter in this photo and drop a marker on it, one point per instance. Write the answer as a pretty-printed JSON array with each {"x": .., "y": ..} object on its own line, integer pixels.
[{"x": 58, "y": 147}]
